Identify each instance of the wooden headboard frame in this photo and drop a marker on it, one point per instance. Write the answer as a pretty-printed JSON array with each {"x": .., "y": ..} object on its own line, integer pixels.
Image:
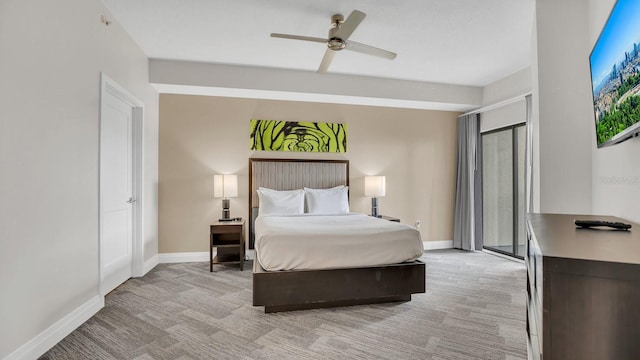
[{"x": 290, "y": 174}]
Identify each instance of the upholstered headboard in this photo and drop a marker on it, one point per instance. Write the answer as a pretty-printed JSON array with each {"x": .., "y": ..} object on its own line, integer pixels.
[{"x": 290, "y": 174}]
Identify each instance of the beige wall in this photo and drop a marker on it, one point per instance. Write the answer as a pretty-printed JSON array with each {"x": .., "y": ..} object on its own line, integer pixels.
[
  {"x": 201, "y": 136},
  {"x": 52, "y": 56}
]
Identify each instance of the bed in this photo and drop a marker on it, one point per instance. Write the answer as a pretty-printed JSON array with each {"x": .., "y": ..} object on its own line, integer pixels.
[{"x": 317, "y": 276}]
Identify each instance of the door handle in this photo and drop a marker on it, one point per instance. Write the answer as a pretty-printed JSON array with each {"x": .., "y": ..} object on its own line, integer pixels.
[{"x": 131, "y": 200}]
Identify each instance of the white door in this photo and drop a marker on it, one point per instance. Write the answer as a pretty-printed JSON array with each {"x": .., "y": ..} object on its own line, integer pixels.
[{"x": 116, "y": 180}]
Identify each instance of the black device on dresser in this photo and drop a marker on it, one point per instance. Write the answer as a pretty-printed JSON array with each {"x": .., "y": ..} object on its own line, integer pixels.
[{"x": 583, "y": 289}]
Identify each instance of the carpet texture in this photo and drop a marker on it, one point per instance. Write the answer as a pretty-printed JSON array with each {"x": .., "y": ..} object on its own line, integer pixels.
[{"x": 474, "y": 308}]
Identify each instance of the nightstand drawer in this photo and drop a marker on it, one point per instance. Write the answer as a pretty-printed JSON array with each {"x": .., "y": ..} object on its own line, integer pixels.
[{"x": 226, "y": 229}]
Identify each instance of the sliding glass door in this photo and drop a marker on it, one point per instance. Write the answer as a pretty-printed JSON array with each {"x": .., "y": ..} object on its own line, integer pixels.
[{"x": 503, "y": 190}]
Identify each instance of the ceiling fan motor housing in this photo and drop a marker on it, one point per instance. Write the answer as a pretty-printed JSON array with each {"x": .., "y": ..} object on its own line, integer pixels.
[{"x": 337, "y": 19}]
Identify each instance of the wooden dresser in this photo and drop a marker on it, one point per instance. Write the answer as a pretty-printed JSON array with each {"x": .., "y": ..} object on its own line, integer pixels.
[{"x": 583, "y": 289}]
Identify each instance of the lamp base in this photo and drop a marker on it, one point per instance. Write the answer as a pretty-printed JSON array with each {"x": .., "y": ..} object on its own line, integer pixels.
[
  {"x": 226, "y": 213},
  {"x": 374, "y": 207}
]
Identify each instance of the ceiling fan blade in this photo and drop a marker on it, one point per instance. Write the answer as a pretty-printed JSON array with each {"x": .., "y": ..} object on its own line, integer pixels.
[
  {"x": 326, "y": 61},
  {"x": 349, "y": 25},
  {"x": 298, "y": 37},
  {"x": 366, "y": 49}
]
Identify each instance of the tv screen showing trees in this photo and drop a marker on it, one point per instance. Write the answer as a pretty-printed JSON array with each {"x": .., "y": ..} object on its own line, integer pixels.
[{"x": 615, "y": 75}]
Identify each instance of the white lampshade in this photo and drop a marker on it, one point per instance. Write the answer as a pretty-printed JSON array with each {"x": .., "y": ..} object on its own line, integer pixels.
[
  {"x": 225, "y": 186},
  {"x": 374, "y": 186}
]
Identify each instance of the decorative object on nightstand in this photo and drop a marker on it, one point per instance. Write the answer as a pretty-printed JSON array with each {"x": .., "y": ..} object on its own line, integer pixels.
[
  {"x": 389, "y": 218},
  {"x": 225, "y": 187},
  {"x": 374, "y": 186},
  {"x": 228, "y": 239}
]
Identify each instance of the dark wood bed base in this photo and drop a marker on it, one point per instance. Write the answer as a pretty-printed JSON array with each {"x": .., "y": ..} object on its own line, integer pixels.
[
  {"x": 314, "y": 289},
  {"x": 311, "y": 289}
]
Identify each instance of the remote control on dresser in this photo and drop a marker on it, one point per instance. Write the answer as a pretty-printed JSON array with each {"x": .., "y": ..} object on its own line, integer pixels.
[{"x": 601, "y": 223}]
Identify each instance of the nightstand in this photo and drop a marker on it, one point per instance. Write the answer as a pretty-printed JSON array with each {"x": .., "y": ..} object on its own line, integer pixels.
[
  {"x": 389, "y": 218},
  {"x": 228, "y": 239}
]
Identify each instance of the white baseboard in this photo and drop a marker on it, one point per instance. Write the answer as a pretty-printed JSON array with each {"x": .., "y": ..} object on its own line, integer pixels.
[
  {"x": 168, "y": 258},
  {"x": 440, "y": 244},
  {"x": 150, "y": 264},
  {"x": 44, "y": 341}
]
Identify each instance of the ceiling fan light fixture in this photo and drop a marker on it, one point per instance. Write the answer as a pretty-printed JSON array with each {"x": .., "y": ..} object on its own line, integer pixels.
[{"x": 336, "y": 44}]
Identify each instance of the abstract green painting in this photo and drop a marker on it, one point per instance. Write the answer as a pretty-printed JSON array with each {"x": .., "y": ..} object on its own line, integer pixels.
[{"x": 276, "y": 135}]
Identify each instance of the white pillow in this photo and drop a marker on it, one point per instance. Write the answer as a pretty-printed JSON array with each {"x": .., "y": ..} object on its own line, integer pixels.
[
  {"x": 327, "y": 201},
  {"x": 276, "y": 202}
]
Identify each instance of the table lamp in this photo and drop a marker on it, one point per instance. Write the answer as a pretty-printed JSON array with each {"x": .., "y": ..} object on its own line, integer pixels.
[
  {"x": 374, "y": 187},
  {"x": 225, "y": 187}
]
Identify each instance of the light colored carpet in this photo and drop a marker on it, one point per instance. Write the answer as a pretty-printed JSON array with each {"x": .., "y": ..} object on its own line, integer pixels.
[{"x": 474, "y": 308}]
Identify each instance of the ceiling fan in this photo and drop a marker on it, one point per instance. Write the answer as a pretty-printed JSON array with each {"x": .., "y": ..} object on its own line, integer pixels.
[{"x": 338, "y": 39}]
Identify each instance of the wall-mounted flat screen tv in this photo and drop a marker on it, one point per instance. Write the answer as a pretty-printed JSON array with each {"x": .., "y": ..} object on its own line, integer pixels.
[{"x": 615, "y": 75}]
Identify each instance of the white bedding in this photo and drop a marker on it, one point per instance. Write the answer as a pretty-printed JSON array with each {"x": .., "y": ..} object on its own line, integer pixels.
[{"x": 306, "y": 242}]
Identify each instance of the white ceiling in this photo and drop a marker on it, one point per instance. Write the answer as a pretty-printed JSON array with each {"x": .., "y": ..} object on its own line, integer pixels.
[{"x": 462, "y": 42}]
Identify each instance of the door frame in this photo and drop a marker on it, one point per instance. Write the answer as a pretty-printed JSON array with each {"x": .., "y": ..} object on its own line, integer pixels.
[{"x": 110, "y": 87}]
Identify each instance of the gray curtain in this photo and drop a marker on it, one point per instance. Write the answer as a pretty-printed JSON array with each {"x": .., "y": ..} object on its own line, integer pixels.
[{"x": 467, "y": 225}]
